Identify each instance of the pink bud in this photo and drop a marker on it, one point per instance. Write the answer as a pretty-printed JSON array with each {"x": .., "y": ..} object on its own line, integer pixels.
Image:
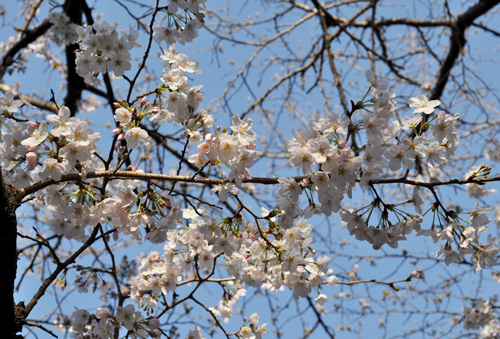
[
  {"x": 155, "y": 334},
  {"x": 121, "y": 136},
  {"x": 346, "y": 153},
  {"x": 168, "y": 203},
  {"x": 31, "y": 159},
  {"x": 143, "y": 101},
  {"x": 31, "y": 148},
  {"x": 117, "y": 131},
  {"x": 153, "y": 323},
  {"x": 32, "y": 124},
  {"x": 156, "y": 110},
  {"x": 101, "y": 313},
  {"x": 200, "y": 17}
]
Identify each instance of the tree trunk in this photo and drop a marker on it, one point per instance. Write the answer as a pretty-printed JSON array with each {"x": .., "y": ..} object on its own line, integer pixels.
[{"x": 13, "y": 314}]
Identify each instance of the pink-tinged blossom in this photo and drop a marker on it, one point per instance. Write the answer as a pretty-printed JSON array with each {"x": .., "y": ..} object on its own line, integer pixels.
[
  {"x": 52, "y": 168},
  {"x": 195, "y": 334},
  {"x": 167, "y": 34},
  {"x": 385, "y": 105},
  {"x": 137, "y": 136},
  {"x": 436, "y": 155},
  {"x": 444, "y": 127},
  {"x": 37, "y": 137},
  {"x": 398, "y": 155},
  {"x": 487, "y": 254},
  {"x": 197, "y": 160},
  {"x": 62, "y": 122},
  {"x": 289, "y": 188},
  {"x": 417, "y": 200},
  {"x": 377, "y": 85},
  {"x": 183, "y": 62},
  {"x": 421, "y": 104},
  {"x": 450, "y": 256},
  {"x": 242, "y": 129},
  {"x": 301, "y": 157},
  {"x": 8, "y": 103},
  {"x": 478, "y": 216},
  {"x": 496, "y": 216},
  {"x": 127, "y": 316},
  {"x": 372, "y": 156},
  {"x": 374, "y": 126},
  {"x": 190, "y": 31},
  {"x": 320, "y": 181},
  {"x": 123, "y": 116},
  {"x": 228, "y": 147},
  {"x": 75, "y": 151},
  {"x": 223, "y": 190},
  {"x": 320, "y": 148},
  {"x": 119, "y": 63},
  {"x": 79, "y": 319}
]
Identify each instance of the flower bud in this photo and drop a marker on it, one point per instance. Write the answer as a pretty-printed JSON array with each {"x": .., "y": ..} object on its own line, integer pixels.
[
  {"x": 153, "y": 323},
  {"x": 31, "y": 148},
  {"x": 31, "y": 159},
  {"x": 342, "y": 143},
  {"x": 101, "y": 313}
]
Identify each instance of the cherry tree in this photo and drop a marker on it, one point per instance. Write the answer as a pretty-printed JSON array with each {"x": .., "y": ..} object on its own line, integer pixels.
[{"x": 275, "y": 168}]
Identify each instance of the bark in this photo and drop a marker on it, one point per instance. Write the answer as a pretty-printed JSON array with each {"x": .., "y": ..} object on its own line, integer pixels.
[
  {"x": 75, "y": 83},
  {"x": 14, "y": 314}
]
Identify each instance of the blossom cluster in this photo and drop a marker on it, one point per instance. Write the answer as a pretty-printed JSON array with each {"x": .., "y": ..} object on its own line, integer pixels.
[
  {"x": 481, "y": 314},
  {"x": 102, "y": 50},
  {"x": 235, "y": 149},
  {"x": 34, "y": 151},
  {"x": 273, "y": 260},
  {"x": 103, "y": 325},
  {"x": 62, "y": 31},
  {"x": 181, "y": 27},
  {"x": 332, "y": 168}
]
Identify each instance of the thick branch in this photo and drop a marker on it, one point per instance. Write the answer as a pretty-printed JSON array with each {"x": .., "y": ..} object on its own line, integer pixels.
[
  {"x": 256, "y": 180},
  {"x": 29, "y": 37},
  {"x": 457, "y": 42}
]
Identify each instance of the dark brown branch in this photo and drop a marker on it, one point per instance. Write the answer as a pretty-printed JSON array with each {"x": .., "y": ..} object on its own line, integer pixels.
[
  {"x": 75, "y": 83},
  {"x": 29, "y": 37},
  {"x": 212, "y": 181},
  {"x": 457, "y": 42}
]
